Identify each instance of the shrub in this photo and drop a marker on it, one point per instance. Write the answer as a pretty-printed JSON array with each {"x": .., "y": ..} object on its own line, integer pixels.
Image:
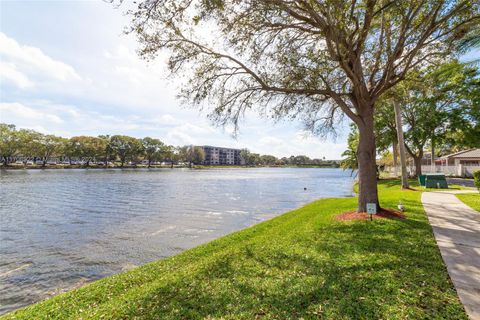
[{"x": 476, "y": 179}]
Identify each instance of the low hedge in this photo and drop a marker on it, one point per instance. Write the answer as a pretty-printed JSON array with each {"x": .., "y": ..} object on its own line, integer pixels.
[{"x": 476, "y": 179}]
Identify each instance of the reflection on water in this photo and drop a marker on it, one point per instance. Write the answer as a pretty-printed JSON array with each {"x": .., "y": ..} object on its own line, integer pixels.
[{"x": 62, "y": 228}]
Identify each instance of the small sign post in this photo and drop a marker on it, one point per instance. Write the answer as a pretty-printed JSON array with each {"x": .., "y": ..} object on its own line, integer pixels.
[{"x": 371, "y": 209}]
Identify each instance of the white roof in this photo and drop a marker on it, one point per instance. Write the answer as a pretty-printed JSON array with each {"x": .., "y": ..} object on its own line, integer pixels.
[{"x": 473, "y": 153}]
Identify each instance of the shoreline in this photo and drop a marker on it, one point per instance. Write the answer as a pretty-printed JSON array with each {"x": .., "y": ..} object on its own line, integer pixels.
[{"x": 197, "y": 167}]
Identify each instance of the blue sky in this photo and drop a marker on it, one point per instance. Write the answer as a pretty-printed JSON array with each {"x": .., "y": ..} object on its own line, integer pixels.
[{"x": 66, "y": 68}]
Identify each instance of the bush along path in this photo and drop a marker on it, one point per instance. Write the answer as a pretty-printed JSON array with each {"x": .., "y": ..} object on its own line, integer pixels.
[
  {"x": 302, "y": 264},
  {"x": 457, "y": 231}
]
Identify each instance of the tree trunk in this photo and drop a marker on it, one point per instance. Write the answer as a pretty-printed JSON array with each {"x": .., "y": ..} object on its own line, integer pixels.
[
  {"x": 5, "y": 161},
  {"x": 367, "y": 167},
  {"x": 395, "y": 158},
  {"x": 433, "y": 155},
  {"x": 401, "y": 144},
  {"x": 418, "y": 165}
]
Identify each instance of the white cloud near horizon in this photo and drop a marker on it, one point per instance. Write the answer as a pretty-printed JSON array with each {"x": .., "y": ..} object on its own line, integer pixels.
[
  {"x": 27, "y": 61},
  {"x": 11, "y": 74}
]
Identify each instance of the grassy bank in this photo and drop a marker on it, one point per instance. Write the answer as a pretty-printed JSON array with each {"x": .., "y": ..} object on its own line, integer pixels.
[
  {"x": 470, "y": 199},
  {"x": 302, "y": 264}
]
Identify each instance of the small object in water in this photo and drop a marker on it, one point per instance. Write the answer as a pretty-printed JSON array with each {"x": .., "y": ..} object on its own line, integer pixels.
[
  {"x": 305, "y": 188},
  {"x": 401, "y": 207}
]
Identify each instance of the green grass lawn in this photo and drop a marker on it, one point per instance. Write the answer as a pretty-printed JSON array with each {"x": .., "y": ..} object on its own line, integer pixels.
[
  {"x": 470, "y": 199},
  {"x": 302, "y": 264}
]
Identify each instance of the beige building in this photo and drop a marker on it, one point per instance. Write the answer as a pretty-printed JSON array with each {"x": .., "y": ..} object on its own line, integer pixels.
[
  {"x": 222, "y": 156},
  {"x": 462, "y": 163}
]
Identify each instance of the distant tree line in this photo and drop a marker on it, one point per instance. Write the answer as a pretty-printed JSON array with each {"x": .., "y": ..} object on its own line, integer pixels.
[
  {"x": 26, "y": 146},
  {"x": 255, "y": 159},
  {"x": 33, "y": 146}
]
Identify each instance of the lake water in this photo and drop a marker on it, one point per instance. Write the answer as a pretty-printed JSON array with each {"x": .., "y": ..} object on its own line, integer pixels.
[{"x": 62, "y": 228}]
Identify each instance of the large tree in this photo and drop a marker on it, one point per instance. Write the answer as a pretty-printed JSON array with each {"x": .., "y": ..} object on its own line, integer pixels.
[
  {"x": 50, "y": 145},
  {"x": 465, "y": 81},
  {"x": 268, "y": 160},
  {"x": 152, "y": 149},
  {"x": 31, "y": 144},
  {"x": 249, "y": 158},
  {"x": 86, "y": 148},
  {"x": 169, "y": 153},
  {"x": 126, "y": 148},
  {"x": 10, "y": 142},
  {"x": 109, "y": 153},
  {"x": 309, "y": 59},
  {"x": 192, "y": 155}
]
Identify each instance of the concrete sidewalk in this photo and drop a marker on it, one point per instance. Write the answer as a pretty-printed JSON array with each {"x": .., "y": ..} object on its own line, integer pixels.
[{"x": 457, "y": 231}]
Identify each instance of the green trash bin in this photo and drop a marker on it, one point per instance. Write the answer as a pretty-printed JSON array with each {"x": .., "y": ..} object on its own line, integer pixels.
[
  {"x": 436, "y": 180},
  {"x": 421, "y": 180}
]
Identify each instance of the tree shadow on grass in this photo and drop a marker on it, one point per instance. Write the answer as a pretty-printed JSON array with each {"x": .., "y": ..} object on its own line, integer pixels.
[
  {"x": 391, "y": 183},
  {"x": 353, "y": 272}
]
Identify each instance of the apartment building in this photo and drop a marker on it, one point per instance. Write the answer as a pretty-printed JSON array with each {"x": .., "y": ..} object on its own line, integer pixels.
[{"x": 222, "y": 156}]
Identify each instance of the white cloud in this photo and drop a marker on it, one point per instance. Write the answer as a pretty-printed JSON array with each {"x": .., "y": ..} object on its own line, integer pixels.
[
  {"x": 167, "y": 118},
  {"x": 271, "y": 141},
  {"x": 11, "y": 74},
  {"x": 188, "y": 133},
  {"x": 33, "y": 62},
  {"x": 195, "y": 129},
  {"x": 282, "y": 144},
  {"x": 180, "y": 138},
  {"x": 18, "y": 111}
]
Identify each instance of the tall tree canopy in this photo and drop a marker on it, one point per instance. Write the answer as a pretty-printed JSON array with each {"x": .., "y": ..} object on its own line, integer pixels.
[
  {"x": 192, "y": 155},
  {"x": 313, "y": 60},
  {"x": 152, "y": 149},
  {"x": 10, "y": 142},
  {"x": 86, "y": 147},
  {"x": 126, "y": 148},
  {"x": 440, "y": 108},
  {"x": 438, "y": 105}
]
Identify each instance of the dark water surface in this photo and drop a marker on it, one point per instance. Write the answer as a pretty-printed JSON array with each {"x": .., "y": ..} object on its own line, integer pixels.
[{"x": 62, "y": 228}]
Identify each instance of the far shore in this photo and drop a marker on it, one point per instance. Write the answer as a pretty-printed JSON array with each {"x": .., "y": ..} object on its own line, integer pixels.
[{"x": 196, "y": 167}]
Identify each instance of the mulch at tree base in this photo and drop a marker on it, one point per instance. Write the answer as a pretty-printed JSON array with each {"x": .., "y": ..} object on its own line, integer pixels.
[{"x": 383, "y": 214}]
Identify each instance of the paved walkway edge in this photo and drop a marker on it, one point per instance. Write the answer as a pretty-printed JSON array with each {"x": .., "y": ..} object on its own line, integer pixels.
[{"x": 457, "y": 231}]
